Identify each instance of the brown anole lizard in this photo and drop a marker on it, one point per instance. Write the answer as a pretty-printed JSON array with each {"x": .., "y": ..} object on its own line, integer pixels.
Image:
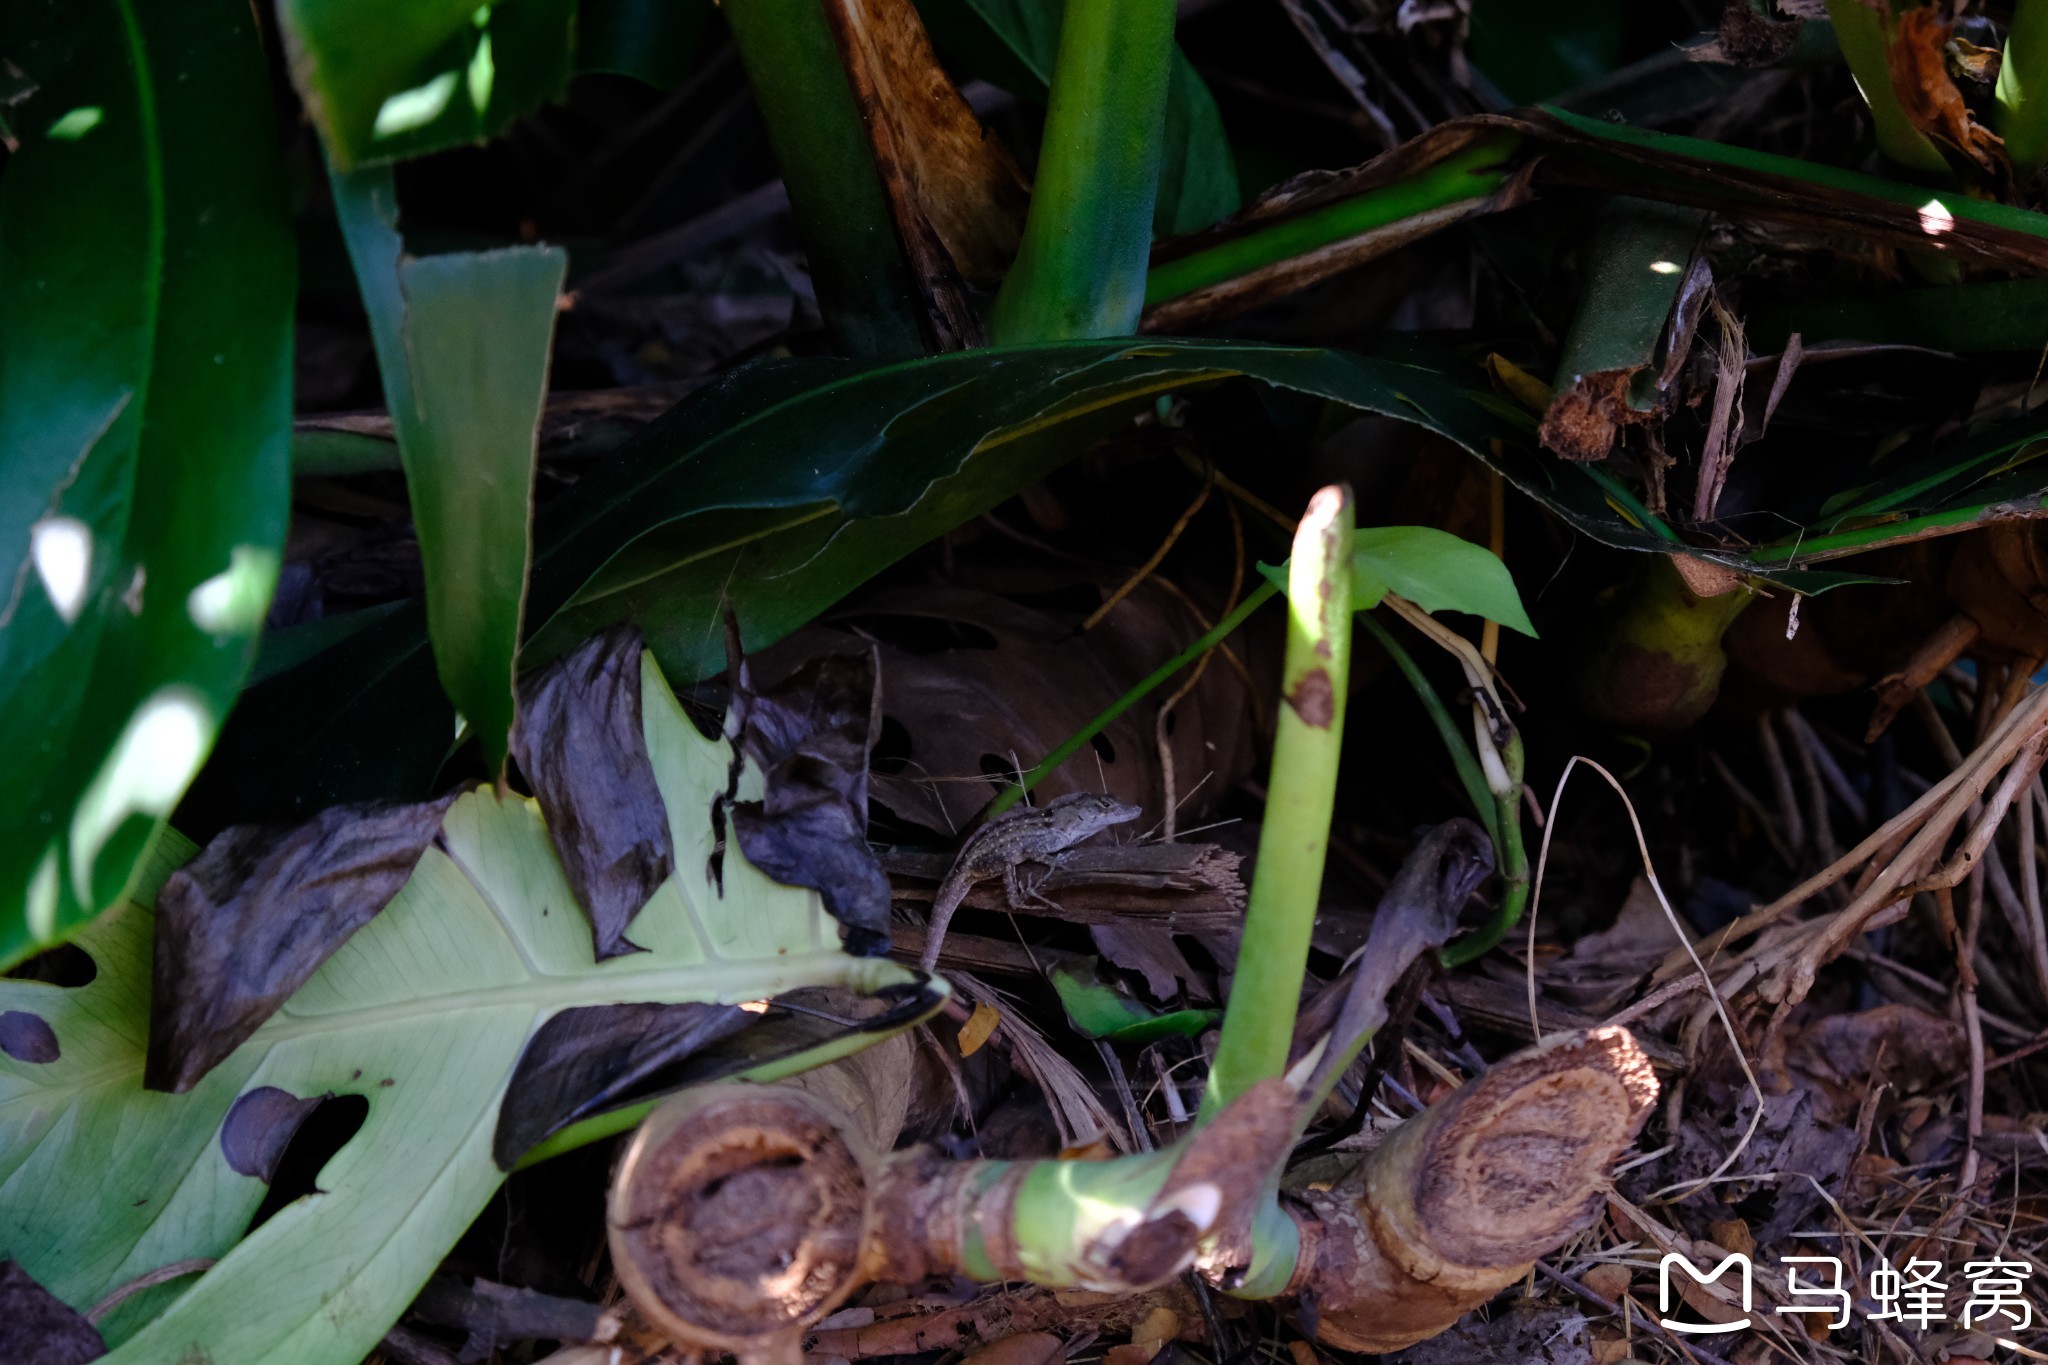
[{"x": 1019, "y": 836}]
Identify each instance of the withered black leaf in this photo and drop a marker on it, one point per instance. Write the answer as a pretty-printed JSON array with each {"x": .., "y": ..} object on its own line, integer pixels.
[
  {"x": 585, "y": 1060},
  {"x": 811, "y": 734},
  {"x": 244, "y": 924},
  {"x": 37, "y": 1328},
  {"x": 28, "y": 1037},
  {"x": 260, "y": 1125},
  {"x": 1419, "y": 912},
  {"x": 580, "y": 746}
]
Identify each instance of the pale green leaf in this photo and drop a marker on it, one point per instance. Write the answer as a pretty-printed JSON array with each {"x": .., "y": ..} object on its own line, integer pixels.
[
  {"x": 1437, "y": 571},
  {"x": 424, "y": 1012},
  {"x": 1433, "y": 569}
]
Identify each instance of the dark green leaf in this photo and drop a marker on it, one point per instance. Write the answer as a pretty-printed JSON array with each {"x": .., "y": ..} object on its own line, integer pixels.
[
  {"x": 1531, "y": 50},
  {"x": 1982, "y": 316},
  {"x": 463, "y": 342},
  {"x": 405, "y": 77},
  {"x": 1197, "y": 174},
  {"x": 657, "y": 41},
  {"x": 787, "y": 484},
  {"x": 146, "y": 279}
]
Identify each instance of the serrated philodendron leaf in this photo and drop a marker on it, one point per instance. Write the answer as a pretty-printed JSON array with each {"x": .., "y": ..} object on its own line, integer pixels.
[{"x": 425, "y": 1013}]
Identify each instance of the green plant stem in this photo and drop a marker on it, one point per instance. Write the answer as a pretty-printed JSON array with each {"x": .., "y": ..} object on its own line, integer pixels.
[
  {"x": 1258, "y": 597},
  {"x": 1472, "y": 174},
  {"x": 2021, "y": 113},
  {"x": 1511, "y": 862},
  {"x": 1080, "y": 271},
  {"x": 1860, "y": 29},
  {"x": 1258, "y": 1022},
  {"x": 835, "y": 194},
  {"x": 1462, "y": 758}
]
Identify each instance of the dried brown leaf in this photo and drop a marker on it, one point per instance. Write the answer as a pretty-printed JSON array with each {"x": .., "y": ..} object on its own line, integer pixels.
[
  {"x": 579, "y": 744},
  {"x": 244, "y": 924},
  {"x": 37, "y": 1328}
]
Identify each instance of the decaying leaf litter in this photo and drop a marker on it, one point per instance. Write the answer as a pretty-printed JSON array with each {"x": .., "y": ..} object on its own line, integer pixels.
[{"x": 1722, "y": 329}]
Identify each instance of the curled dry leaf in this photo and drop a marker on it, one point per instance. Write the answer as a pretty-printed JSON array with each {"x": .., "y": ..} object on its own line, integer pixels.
[
  {"x": 251, "y": 919},
  {"x": 1928, "y": 93},
  {"x": 38, "y": 1328},
  {"x": 811, "y": 734},
  {"x": 1838, "y": 1056},
  {"x": 1419, "y": 912},
  {"x": 579, "y": 743}
]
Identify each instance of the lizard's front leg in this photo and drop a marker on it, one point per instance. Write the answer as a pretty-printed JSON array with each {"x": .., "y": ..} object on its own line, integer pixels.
[{"x": 1025, "y": 895}]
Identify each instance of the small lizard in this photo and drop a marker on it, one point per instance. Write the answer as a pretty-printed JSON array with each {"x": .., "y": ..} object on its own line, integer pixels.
[{"x": 1018, "y": 836}]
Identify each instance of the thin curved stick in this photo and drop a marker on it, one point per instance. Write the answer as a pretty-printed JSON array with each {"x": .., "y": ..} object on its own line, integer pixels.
[{"x": 1650, "y": 874}]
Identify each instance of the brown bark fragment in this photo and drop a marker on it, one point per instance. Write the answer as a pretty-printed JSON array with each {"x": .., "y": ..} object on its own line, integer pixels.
[{"x": 1458, "y": 1203}]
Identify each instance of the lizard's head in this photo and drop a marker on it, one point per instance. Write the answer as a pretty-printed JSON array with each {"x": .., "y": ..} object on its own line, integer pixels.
[{"x": 1094, "y": 809}]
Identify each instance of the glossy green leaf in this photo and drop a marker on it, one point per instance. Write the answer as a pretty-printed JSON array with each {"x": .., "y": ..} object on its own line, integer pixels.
[
  {"x": 463, "y": 342},
  {"x": 400, "y": 78},
  {"x": 1434, "y": 569},
  {"x": 1012, "y": 43},
  {"x": 787, "y": 484},
  {"x": 1098, "y": 1009},
  {"x": 424, "y": 1012},
  {"x": 146, "y": 282}
]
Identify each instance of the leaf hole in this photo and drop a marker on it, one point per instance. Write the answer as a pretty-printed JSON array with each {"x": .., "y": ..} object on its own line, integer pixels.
[
  {"x": 1104, "y": 750},
  {"x": 892, "y": 749},
  {"x": 1000, "y": 771},
  {"x": 66, "y": 965},
  {"x": 325, "y": 1132}
]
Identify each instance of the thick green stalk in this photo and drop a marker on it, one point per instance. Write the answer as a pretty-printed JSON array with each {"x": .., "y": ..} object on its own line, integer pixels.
[
  {"x": 2021, "y": 114},
  {"x": 835, "y": 194},
  {"x": 1860, "y": 30},
  {"x": 1216, "y": 635},
  {"x": 1081, "y": 269},
  {"x": 1259, "y": 1022},
  {"x": 1472, "y": 174}
]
